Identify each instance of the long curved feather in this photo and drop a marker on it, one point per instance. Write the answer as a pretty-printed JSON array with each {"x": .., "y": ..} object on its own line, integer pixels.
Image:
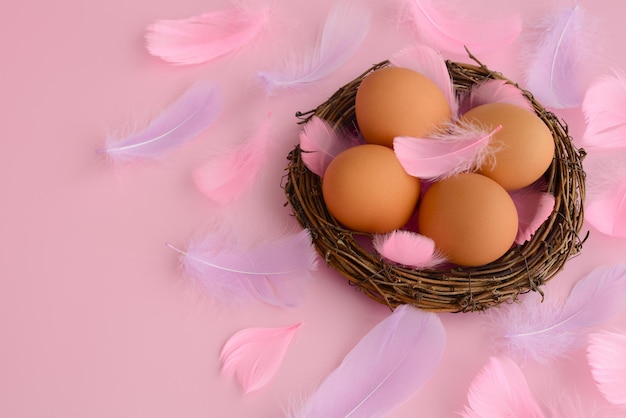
[
  {"x": 344, "y": 30},
  {"x": 186, "y": 118},
  {"x": 543, "y": 331},
  {"x": 388, "y": 366},
  {"x": 205, "y": 37},
  {"x": 501, "y": 390},
  {"x": 253, "y": 355},
  {"x": 230, "y": 271},
  {"x": 606, "y": 354},
  {"x": 604, "y": 107}
]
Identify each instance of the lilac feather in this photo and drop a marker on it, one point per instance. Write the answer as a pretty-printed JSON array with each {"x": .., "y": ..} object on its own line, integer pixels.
[
  {"x": 229, "y": 270},
  {"x": 185, "y": 119},
  {"x": 345, "y": 28},
  {"x": 386, "y": 368}
]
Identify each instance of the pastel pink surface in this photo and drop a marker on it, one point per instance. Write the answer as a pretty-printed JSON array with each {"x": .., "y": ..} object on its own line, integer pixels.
[{"x": 95, "y": 317}]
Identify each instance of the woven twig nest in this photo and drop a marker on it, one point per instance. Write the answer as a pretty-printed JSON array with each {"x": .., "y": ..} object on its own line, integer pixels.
[{"x": 455, "y": 289}]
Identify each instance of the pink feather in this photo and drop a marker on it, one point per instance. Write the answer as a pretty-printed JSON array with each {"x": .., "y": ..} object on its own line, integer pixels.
[
  {"x": 183, "y": 120},
  {"x": 501, "y": 390},
  {"x": 495, "y": 91},
  {"x": 605, "y": 206},
  {"x": 559, "y": 57},
  {"x": 543, "y": 331},
  {"x": 448, "y": 30},
  {"x": 205, "y": 37},
  {"x": 606, "y": 353},
  {"x": 345, "y": 28},
  {"x": 388, "y": 366},
  {"x": 232, "y": 269},
  {"x": 226, "y": 176},
  {"x": 604, "y": 107},
  {"x": 320, "y": 143},
  {"x": 253, "y": 355},
  {"x": 462, "y": 147},
  {"x": 533, "y": 208},
  {"x": 408, "y": 248},
  {"x": 430, "y": 63}
]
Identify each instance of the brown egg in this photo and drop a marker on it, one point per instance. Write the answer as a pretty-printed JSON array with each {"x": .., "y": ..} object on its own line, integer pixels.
[
  {"x": 471, "y": 219},
  {"x": 366, "y": 189},
  {"x": 396, "y": 101},
  {"x": 525, "y": 147}
]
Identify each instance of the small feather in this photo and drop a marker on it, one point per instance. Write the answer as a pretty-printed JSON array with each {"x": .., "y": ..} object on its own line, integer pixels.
[
  {"x": 430, "y": 63},
  {"x": 205, "y": 37},
  {"x": 344, "y": 30},
  {"x": 320, "y": 144},
  {"x": 501, "y": 390},
  {"x": 230, "y": 270},
  {"x": 559, "y": 56},
  {"x": 605, "y": 205},
  {"x": 186, "y": 118},
  {"x": 604, "y": 107},
  {"x": 495, "y": 91},
  {"x": 408, "y": 248},
  {"x": 606, "y": 353},
  {"x": 461, "y": 147},
  {"x": 388, "y": 366},
  {"x": 446, "y": 29},
  {"x": 543, "y": 331},
  {"x": 226, "y": 176},
  {"x": 533, "y": 208},
  {"x": 253, "y": 355}
]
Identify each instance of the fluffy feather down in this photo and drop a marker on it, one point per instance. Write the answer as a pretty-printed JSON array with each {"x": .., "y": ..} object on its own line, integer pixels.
[{"x": 408, "y": 248}]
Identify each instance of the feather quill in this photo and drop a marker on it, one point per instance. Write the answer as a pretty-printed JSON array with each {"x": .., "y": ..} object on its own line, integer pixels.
[
  {"x": 225, "y": 177},
  {"x": 557, "y": 55},
  {"x": 430, "y": 63},
  {"x": 186, "y": 118},
  {"x": 408, "y": 248},
  {"x": 253, "y": 355},
  {"x": 231, "y": 271},
  {"x": 606, "y": 354},
  {"x": 344, "y": 30},
  {"x": 206, "y": 37},
  {"x": 533, "y": 208},
  {"x": 388, "y": 366},
  {"x": 461, "y": 147},
  {"x": 448, "y": 30},
  {"x": 320, "y": 144},
  {"x": 544, "y": 331},
  {"x": 495, "y": 91},
  {"x": 501, "y": 390},
  {"x": 604, "y": 107}
]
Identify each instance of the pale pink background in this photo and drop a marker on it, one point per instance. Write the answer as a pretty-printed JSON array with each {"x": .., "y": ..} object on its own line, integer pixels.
[{"x": 95, "y": 318}]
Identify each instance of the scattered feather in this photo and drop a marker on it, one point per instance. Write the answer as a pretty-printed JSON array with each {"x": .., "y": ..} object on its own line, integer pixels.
[
  {"x": 533, "y": 208},
  {"x": 320, "y": 144},
  {"x": 501, "y": 390},
  {"x": 604, "y": 107},
  {"x": 231, "y": 270},
  {"x": 495, "y": 91},
  {"x": 559, "y": 56},
  {"x": 186, "y": 118},
  {"x": 344, "y": 30},
  {"x": 459, "y": 148},
  {"x": 388, "y": 366},
  {"x": 431, "y": 64},
  {"x": 226, "y": 176},
  {"x": 206, "y": 37},
  {"x": 606, "y": 353},
  {"x": 543, "y": 331},
  {"x": 253, "y": 355},
  {"x": 448, "y": 30},
  {"x": 408, "y": 249}
]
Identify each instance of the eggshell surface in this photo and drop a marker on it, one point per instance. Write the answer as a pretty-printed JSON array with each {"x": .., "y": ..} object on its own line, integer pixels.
[
  {"x": 366, "y": 189},
  {"x": 394, "y": 101},
  {"x": 471, "y": 219},
  {"x": 524, "y": 146}
]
